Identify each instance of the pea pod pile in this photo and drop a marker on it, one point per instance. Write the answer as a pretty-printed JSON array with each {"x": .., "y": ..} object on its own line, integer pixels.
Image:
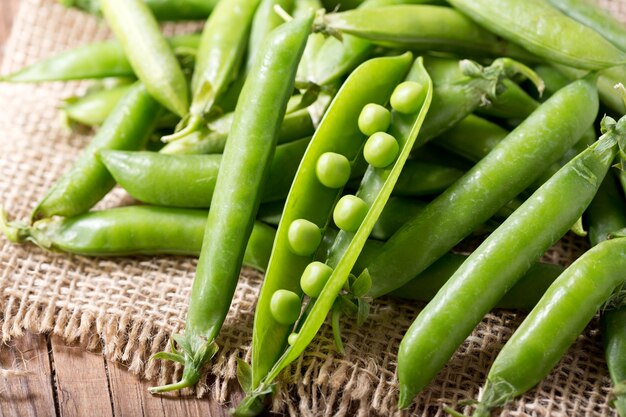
[{"x": 345, "y": 152}]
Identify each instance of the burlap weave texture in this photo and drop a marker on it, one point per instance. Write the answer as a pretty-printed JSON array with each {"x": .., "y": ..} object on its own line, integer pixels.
[{"x": 129, "y": 307}]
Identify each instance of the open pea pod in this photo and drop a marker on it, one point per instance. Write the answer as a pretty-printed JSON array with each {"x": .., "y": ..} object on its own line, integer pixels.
[{"x": 314, "y": 196}]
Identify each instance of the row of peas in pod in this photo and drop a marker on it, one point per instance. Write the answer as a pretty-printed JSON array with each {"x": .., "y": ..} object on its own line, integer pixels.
[{"x": 344, "y": 149}]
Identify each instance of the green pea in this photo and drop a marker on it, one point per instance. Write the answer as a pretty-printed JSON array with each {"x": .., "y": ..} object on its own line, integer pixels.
[
  {"x": 314, "y": 278},
  {"x": 285, "y": 307},
  {"x": 349, "y": 213},
  {"x": 381, "y": 149},
  {"x": 374, "y": 118},
  {"x": 292, "y": 338},
  {"x": 304, "y": 237},
  {"x": 407, "y": 97},
  {"x": 333, "y": 170}
]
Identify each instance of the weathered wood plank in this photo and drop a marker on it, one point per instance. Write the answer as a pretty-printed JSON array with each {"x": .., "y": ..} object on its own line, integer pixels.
[
  {"x": 31, "y": 394},
  {"x": 81, "y": 381},
  {"x": 131, "y": 398}
]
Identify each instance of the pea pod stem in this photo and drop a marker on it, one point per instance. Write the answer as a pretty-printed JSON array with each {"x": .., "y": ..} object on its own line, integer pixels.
[
  {"x": 212, "y": 139},
  {"x": 244, "y": 166},
  {"x": 219, "y": 56},
  {"x": 150, "y": 56}
]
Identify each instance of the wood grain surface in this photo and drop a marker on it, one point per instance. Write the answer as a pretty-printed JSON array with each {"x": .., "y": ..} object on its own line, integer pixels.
[{"x": 40, "y": 376}]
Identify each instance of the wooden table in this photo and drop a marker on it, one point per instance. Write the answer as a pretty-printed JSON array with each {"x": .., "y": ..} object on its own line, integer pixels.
[{"x": 57, "y": 380}]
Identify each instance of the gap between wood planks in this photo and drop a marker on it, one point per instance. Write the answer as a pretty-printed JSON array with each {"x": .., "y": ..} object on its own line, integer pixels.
[{"x": 66, "y": 381}]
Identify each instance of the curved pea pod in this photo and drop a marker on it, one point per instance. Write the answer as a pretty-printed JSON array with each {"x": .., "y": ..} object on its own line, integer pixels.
[
  {"x": 362, "y": 212},
  {"x": 420, "y": 27},
  {"x": 490, "y": 271},
  {"x": 337, "y": 134},
  {"x": 163, "y": 10},
  {"x": 94, "y": 60},
  {"x": 544, "y": 31},
  {"x": 221, "y": 50},
  {"x": 589, "y": 14},
  {"x": 189, "y": 180},
  {"x": 212, "y": 139},
  {"x": 127, "y": 128},
  {"x": 568, "y": 305},
  {"x": 505, "y": 172},
  {"x": 150, "y": 56},
  {"x": 243, "y": 171},
  {"x": 155, "y": 231},
  {"x": 93, "y": 108}
]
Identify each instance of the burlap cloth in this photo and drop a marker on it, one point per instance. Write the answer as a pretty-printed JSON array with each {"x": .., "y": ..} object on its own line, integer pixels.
[{"x": 128, "y": 308}]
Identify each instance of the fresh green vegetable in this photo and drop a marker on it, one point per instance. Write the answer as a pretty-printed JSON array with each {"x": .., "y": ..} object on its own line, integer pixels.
[
  {"x": 544, "y": 31},
  {"x": 489, "y": 272},
  {"x": 127, "y": 128},
  {"x": 244, "y": 166},
  {"x": 150, "y": 56},
  {"x": 162, "y": 9}
]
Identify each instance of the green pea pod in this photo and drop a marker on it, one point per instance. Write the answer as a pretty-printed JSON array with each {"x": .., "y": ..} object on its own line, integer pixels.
[
  {"x": 375, "y": 189},
  {"x": 511, "y": 103},
  {"x": 589, "y": 14},
  {"x": 244, "y": 167},
  {"x": 212, "y": 139},
  {"x": 607, "y": 214},
  {"x": 472, "y": 138},
  {"x": 265, "y": 20},
  {"x": 150, "y": 56},
  {"x": 221, "y": 50},
  {"x": 304, "y": 77},
  {"x": 523, "y": 296},
  {"x": 94, "y": 60},
  {"x": 127, "y": 128},
  {"x": 490, "y": 271},
  {"x": 424, "y": 178},
  {"x": 189, "y": 180},
  {"x": 568, "y": 305},
  {"x": 163, "y": 10},
  {"x": 372, "y": 82},
  {"x": 607, "y": 79},
  {"x": 544, "y": 31},
  {"x": 93, "y": 108},
  {"x": 155, "y": 231},
  {"x": 505, "y": 172},
  {"x": 614, "y": 331},
  {"x": 398, "y": 211},
  {"x": 420, "y": 27}
]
